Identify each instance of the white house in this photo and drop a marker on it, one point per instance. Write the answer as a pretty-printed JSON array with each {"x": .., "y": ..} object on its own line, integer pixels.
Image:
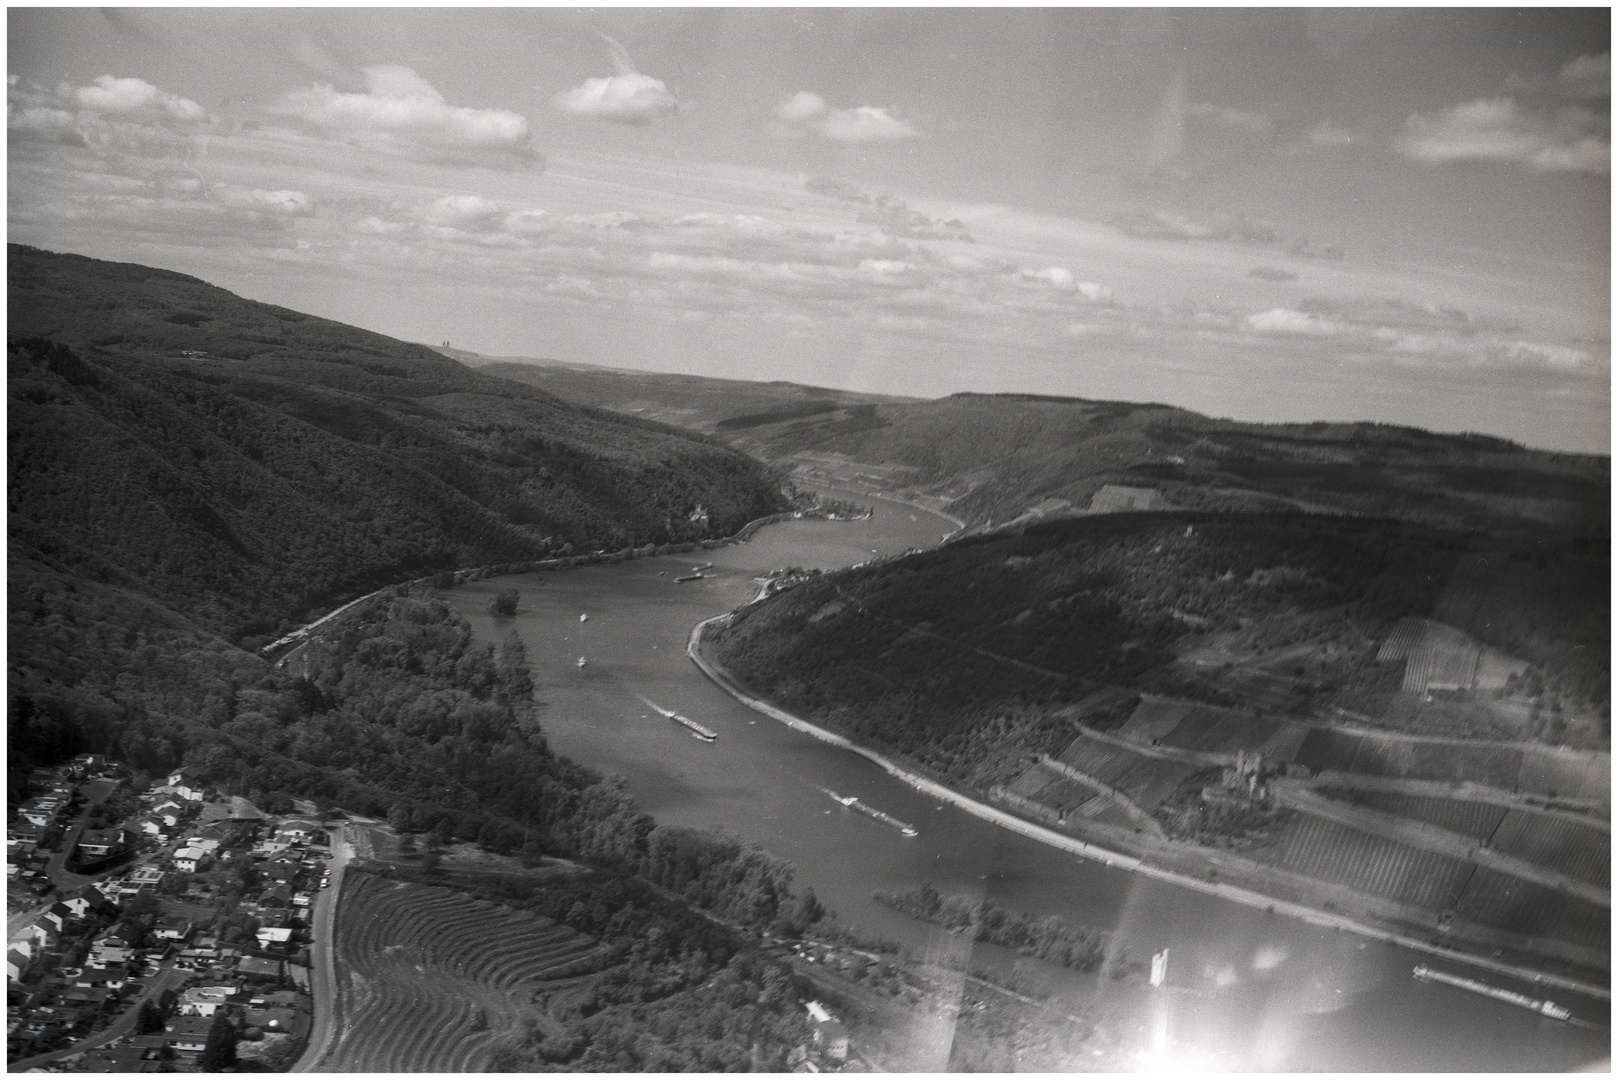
[
  {"x": 274, "y": 935},
  {"x": 190, "y": 860},
  {"x": 187, "y": 784}
]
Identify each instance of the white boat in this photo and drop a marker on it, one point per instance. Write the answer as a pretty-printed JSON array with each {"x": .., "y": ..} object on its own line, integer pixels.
[
  {"x": 582, "y": 661},
  {"x": 696, "y": 729},
  {"x": 584, "y": 618}
]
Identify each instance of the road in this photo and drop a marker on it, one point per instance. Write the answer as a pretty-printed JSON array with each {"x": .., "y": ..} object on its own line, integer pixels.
[
  {"x": 323, "y": 959},
  {"x": 168, "y": 978}
]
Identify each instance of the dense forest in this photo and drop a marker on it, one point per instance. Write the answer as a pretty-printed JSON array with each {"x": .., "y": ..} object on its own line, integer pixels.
[
  {"x": 245, "y": 465},
  {"x": 967, "y": 658}
]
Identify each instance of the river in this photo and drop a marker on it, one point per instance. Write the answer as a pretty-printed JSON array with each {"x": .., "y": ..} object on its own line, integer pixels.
[{"x": 1254, "y": 991}]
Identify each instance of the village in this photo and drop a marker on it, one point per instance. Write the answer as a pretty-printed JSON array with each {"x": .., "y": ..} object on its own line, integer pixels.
[{"x": 156, "y": 928}]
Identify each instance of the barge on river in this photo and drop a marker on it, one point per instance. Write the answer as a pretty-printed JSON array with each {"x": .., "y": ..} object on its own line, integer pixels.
[
  {"x": 696, "y": 729},
  {"x": 1549, "y": 1008},
  {"x": 853, "y": 803}
]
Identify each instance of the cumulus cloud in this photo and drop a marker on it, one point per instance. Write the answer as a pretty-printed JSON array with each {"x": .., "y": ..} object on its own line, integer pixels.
[
  {"x": 137, "y": 98},
  {"x": 801, "y": 106},
  {"x": 865, "y": 124},
  {"x": 1497, "y": 129},
  {"x": 126, "y": 113},
  {"x": 1288, "y": 321},
  {"x": 1257, "y": 123},
  {"x": 403, "y": 113},
  {"x": 469, "y": 213},
  {"x": 807, "y": 113},
  {"x": 626, "y": 97},
  {"x": 1586, "y": 77}
]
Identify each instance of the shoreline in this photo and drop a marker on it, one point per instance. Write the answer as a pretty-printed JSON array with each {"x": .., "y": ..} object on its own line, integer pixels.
[{"x": 994, "y": 815}]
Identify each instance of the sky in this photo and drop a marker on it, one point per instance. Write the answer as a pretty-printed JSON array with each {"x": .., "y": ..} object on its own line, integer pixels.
[{"x": 1278, "y": 214}]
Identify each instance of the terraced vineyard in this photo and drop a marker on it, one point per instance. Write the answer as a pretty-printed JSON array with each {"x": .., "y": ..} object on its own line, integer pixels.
[
  {"x": 430, "y": 980},
  {"x": 1371, "y": 864}
]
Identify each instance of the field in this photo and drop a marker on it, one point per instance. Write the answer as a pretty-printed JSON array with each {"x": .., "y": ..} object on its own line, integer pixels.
[
  {"x": 1474, "y": 819},
  {"x": 430, "y": 980},
  {"x": 1370, "y": 864},
  {"x": 1565, "y": 846},
  {"x": 1513, "y": 904}
]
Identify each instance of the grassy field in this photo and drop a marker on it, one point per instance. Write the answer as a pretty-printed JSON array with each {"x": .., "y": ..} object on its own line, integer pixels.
[{"x": 430, "y": 980}]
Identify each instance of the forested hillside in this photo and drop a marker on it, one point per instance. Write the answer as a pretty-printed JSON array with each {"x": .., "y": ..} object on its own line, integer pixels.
[
  {"x": 243, "y": 464},
  {"x": 967, "y": 657},
  {"x": 991, "y": 457}
]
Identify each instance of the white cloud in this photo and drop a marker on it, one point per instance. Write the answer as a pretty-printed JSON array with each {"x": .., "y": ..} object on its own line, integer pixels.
[
  {"x": 403, "y": 113},
  {"x": 136, "y": 98},
  {"x": 1257, "y": 123},
  {"x": 1288, "y": 321},
  {"x": 801, "y": 106},
  {"x": 1496, "y": 129},
  {"x": 626, "y": 99},
  {"x": 865, "y": 124},
  {"x": 469, "y": 213},
  {"x": 1587, "y": 77},
  {"x": 283, "y": 202}
]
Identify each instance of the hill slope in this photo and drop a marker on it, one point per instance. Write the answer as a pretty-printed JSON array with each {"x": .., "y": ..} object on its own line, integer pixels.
[
  {"x": 992, "y": 457},
  {"x": 244, "y": 464}
]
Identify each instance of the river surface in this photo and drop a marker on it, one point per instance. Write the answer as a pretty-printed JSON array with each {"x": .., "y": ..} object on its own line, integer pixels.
[{"x": 1251, "y": 990}]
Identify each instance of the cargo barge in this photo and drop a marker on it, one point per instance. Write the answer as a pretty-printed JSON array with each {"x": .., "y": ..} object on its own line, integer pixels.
[
  {"x": 1545, "y": 1008},
  {"x": 854, "y": 803},
  {"x": 696, "y": 729}
]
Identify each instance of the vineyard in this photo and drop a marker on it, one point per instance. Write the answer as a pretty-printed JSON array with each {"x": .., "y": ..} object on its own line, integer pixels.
[
  {"x": 1576, "y": 850},
  {"x": 1522, "y": 907},
  {"x": 1370, "y": 864},
  {"x": 430, "y": 980},
  {"x": 1474, "y": 819}
]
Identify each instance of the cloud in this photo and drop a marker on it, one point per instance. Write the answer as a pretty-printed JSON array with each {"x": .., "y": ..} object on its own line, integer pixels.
[
  {"x": 469, "y": 213},
  {"x": 1236, "y": 118},
  {"x": 801, "y": 106},
  {"x": 807, "y": 113},
  {"x": 284, "y": 203},
  {"x": 136, "y": 98},
  {"x": 865, "y": 124},
  {"x": 403, "y": 113},
  {"x": 627, "y": 97},
  {"x": 1496, "y": 129},
  {"x": 1288, "y": 321},
  {"x": 1586, "y": 77}
]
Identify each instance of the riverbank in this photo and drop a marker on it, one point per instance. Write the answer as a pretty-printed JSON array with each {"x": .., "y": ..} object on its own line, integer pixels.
[{"x": 1314, "y": 915}]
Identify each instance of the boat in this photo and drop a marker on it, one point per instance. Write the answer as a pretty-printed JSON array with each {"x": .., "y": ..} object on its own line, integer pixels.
[
  {"x": 1547, "y": 1007},
  {"x": 853, "y": 803},
  {"x": 696, "y": 729},
  {"x": 691, "y": 577},
  {"x": 584, "y": 618},
  {"x": 582, "y": 661}
]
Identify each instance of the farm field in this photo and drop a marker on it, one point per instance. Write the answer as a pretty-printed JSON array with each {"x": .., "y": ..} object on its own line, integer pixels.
[
  {"x": 1474, "y": 819},
  {"x": 1509, "y": 903},
  {"x": 431, "y": 980}
]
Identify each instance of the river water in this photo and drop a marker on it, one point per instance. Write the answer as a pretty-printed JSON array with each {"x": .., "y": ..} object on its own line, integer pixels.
[{"x": 1252, "y": 990}]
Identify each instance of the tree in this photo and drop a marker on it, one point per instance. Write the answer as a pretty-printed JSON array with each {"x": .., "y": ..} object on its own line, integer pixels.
[
  {"x": 504, "y": 602},
  {"x": 219, "y": 1052},
  {"x": 150, "y": 1018},
  {"x": 511, "y": 667}
]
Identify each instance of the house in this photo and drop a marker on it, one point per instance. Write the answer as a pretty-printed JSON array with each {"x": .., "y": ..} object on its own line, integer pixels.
[
  {"x": 189, "y": 860},
  {"x": 151, "y": 825},
  {"x": 187, "y": 784},
  {"x": 256, "y": 967},
  {"x": 274, "y": 935},
  {"x": 17, "y": 963},
  {"x": 35, "y": 814},
  {"x": 100, "y": 843},
  {"x": 172, "y": 928},
  {"x": 107, "y": 955},
  {"x": 188, "y": 1033},
  {"x": 122, "y": 1059},
  {"x": 302, "y": 899},
  {"x": 38, "y": 934},
  {"x": 205, "y": 1000},
  {"x": 278, "y": 896},
  {"x": 123, "y": 934},
  {"x": 57, "y": 916},
  {"x": 299, "y": 830},
  {"x": 144, "y": 876},
  {"x": 26, "y": 833},
  {"x": 87, "y": 901},
  {"x": 281, "y": 870},
  {"x": 830, "y": 1037},
  {"x": 111, "y": 977}
]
